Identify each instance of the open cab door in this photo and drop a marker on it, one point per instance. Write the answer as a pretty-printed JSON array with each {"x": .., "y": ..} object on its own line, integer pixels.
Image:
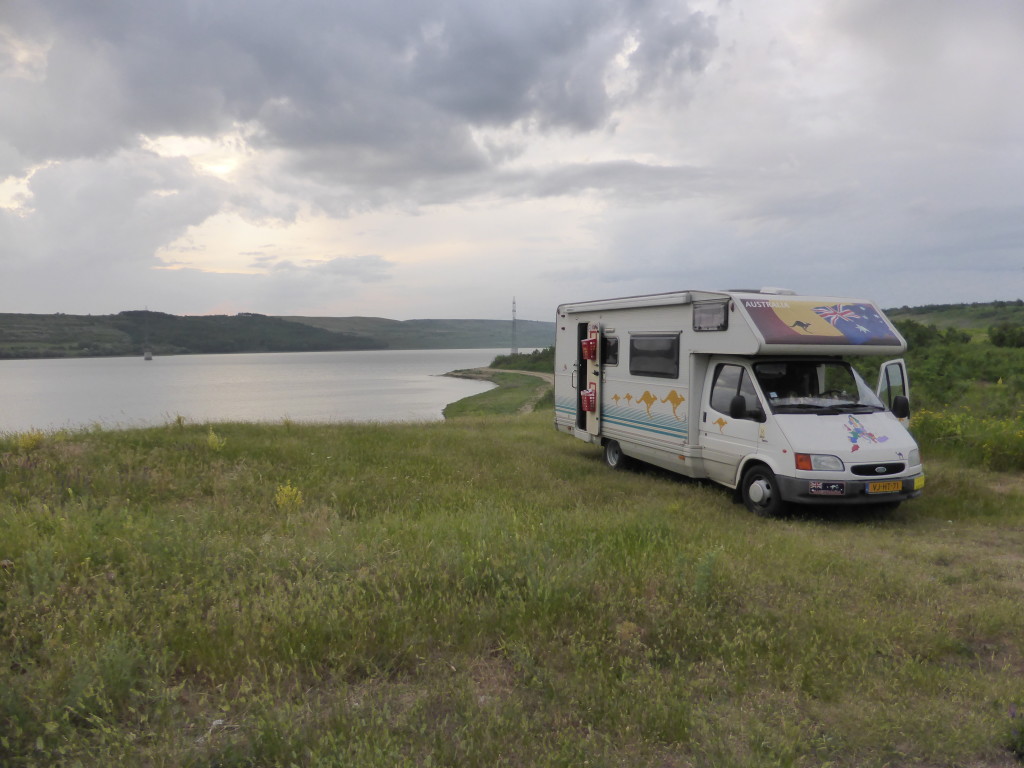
[{"x": 894, "y": 388}]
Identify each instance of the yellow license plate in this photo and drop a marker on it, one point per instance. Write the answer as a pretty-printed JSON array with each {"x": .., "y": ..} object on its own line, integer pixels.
[
  {"x": 919, "y": 483},
  {"x": 889, "y": 486}
]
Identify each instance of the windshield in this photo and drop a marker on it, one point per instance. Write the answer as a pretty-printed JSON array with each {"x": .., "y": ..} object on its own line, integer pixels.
[{"x": 814, "y": 386}]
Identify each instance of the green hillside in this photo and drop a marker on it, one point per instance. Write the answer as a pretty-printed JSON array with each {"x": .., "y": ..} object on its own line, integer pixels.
[
  {"x": 129, "y": 333},
  {"x": 976, "y": 316},
  {"x": 439, "y": 334}
]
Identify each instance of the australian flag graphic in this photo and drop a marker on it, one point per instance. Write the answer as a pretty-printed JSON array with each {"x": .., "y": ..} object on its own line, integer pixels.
[
  {"x": 859, "y": 323},
  {"x": 788, "y": 321}
]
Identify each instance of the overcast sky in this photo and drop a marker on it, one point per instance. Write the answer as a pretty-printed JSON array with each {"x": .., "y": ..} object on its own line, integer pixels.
[{"x": 435, "y": 158}]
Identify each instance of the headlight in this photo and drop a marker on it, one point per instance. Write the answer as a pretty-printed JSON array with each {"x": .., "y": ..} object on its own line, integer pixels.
[
  {"x": 820, "y": 462},
  {"x": 915, "y": 458}
]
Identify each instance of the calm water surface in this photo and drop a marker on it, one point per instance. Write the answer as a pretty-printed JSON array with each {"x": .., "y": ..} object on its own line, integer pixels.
[{"x": 402, "y": 385}]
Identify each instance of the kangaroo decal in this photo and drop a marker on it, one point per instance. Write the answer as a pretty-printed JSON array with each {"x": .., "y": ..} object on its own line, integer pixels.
[
  {"x": 647, "y": 399},
  {"x": 676, "y": 399}
]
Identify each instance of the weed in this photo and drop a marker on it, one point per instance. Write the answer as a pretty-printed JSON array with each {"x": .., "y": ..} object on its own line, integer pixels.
[
  {"x": 214, "y": 441},
  {"x": 288, "y": 498},
  {"x": 27, "y": 442}
]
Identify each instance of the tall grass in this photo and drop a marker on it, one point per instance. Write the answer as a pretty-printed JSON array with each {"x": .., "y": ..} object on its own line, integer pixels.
[
  {"x": 484, "y": 592},
  {"x": 956, "y": 433}
]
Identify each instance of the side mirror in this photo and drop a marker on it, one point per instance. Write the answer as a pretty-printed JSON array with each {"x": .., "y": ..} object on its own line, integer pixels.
[
  {"x": 901, "y": 407},
  {"x": 738, "y": 410},
  {"x": 738, "y": 407}
]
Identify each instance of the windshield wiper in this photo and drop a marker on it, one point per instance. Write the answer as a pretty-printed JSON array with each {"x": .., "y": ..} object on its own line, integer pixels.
[
  {"x": 805, "y": 408},
  {"x": 859, "y": 408}
]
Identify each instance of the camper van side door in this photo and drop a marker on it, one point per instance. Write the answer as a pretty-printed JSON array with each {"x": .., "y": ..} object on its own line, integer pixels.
[{"x": 726, "y": 439}]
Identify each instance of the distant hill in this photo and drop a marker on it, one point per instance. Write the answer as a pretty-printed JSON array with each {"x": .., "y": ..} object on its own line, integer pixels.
[
  {"x": 439, "y": 334},
  {"x": 129, "y": 333},
  {"x": 977, "y": 316}
]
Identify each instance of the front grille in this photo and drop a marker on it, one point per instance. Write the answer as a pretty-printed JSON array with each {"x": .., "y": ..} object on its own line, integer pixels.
[{"x": 873, "y": 470}]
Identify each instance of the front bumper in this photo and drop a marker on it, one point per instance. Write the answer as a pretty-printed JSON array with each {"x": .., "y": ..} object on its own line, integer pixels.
[{"x": 818, "y": 490}]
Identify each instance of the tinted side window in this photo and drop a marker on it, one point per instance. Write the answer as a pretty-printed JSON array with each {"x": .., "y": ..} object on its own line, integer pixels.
[
  {"x": 732, "y": 380},
  {"x": 654, "y": 355},
  {"x": 727, "y": 385},
  {"x": 610, "y": 352}
]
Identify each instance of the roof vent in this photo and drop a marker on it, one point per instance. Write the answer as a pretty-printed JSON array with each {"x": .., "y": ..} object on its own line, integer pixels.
[{"x": 778, "y": 291}]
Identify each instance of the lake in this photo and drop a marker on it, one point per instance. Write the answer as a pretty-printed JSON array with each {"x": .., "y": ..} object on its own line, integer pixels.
[{"x": 122, "y": 392}]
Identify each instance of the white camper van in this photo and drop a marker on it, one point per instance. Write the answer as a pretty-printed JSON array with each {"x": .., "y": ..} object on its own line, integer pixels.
[{"x": 750, "y": 388}]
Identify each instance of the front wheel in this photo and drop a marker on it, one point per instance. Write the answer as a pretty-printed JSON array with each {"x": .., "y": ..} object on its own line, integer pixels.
[
  {"x": 761, "y": 492},
  {"x": 613, "y": 455}
]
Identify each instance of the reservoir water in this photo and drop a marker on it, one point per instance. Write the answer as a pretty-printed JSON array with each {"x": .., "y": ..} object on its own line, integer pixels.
[{"x": 123, "y": 392}]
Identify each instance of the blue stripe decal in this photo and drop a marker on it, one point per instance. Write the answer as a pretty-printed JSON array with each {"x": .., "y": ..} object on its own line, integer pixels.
[
  {"x": 678, "y": 430},
  {"x": 634, "y": 418}
]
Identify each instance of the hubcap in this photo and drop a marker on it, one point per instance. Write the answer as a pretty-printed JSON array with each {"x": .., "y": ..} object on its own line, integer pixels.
[{"x": 760, "y": 492}]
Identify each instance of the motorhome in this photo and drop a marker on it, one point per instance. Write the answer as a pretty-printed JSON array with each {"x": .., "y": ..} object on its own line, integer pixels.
[{"x": 753, "y": 389}]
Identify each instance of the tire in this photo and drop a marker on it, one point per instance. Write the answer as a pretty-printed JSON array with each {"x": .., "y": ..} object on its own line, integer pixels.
[
  {"x": 761, "y": 492},
  {"x": 613, "y": 455}
]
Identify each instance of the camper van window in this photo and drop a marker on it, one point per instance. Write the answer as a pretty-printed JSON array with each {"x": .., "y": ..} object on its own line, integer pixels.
[
  {"x": 654, "y": 355},
  {"x": 809, "y": 386},
  {"x": 711, "y": 316},
  {"x": 732, "y": 380},
  {"x": 610, "y": 350}
]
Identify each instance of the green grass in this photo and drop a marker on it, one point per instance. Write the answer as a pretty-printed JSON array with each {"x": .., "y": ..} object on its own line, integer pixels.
[
  {"x": 514, "y": 392},
  {"x": 485, "y": 592}
]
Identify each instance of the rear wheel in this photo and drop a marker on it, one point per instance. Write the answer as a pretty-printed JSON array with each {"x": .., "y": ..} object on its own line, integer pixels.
[
  {"x": 613, "y": 455},
  {"x": 761, "y": 492}
]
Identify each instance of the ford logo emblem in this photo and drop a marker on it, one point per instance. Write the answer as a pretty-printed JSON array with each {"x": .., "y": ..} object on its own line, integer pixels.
[{"x": 880, "y": 470}]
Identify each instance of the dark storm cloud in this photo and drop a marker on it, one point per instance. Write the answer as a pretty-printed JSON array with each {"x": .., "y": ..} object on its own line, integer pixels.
[{"x": 391, "y": 87}]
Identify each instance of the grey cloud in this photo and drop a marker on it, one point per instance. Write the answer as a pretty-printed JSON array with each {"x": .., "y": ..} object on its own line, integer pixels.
[
  {"x": 369, "y": 87},
  {"x": 623, "y": 179},
  {"x": 945, "y": 65},
  {"x": 370, "y": 268},
  {"x": 119, "y": 208},
  {"x": 548, "y": 62}
]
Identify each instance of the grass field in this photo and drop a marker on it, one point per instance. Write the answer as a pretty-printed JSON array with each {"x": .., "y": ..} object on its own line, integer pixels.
[
  {"x": 485, "y": 592},
  {"x": 515, "y": 393}
]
